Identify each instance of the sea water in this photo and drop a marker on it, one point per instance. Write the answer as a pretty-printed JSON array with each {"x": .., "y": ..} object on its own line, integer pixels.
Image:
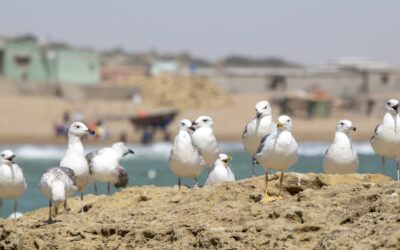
[{"x": 148, "y": 166}]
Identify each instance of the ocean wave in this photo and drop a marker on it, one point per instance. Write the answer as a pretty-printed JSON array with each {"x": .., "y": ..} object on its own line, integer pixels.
[{"x": 162, "y": 150}]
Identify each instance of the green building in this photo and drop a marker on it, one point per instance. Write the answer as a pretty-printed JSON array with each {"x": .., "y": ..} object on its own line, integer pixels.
[{"x": 24, "y": 60}]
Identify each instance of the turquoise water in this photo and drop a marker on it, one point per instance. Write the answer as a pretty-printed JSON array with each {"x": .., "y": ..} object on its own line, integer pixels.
[{"x": 149, "y": 167}]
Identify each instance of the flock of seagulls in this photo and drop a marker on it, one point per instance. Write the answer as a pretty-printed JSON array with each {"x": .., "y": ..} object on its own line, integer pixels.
[{"x": 195, "y": 147}]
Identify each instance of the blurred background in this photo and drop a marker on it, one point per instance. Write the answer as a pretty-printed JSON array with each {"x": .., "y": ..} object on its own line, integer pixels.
[{"x": 132, "y": 69}]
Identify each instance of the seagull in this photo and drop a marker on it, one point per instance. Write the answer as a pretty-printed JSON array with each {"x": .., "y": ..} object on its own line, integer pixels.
[
  {"x": 257, "y": 128},
  {"x": 340, "y": 157},
  {"x": 204, "y": 139},
  {"x": 12, "y": 180},
  {"x": 57, "y": 184},
  {"x": 185, "y": 159},
  {"x": 104, "y": 165},
  {"x": 386, "y": 138},
  {"x": 277, "y": 151},
  {"x": 221, "y": 171},
  {"x": 74, "y": 157}
]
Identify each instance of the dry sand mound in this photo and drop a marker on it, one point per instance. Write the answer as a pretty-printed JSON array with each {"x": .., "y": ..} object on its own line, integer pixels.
[
  {"x": 326, "y": 212},
  {"x": 183, "y": 92}
]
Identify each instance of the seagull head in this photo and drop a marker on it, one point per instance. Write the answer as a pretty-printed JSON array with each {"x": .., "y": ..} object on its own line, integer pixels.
[
  {"x": 120, "y": 146},
  {"x": 284, "y": 123},
  {"x": 203, "y": 121},
  {"x": 263, "y": 109},
  {"x": 79, "y": 129},
  {"x": 345, "y": 126},
  {"x": 7, "y": 156},
  {"x": 392, "y": 106},
  {"x": 185, "y": 124},
  {"x": 224, "y": 159}
]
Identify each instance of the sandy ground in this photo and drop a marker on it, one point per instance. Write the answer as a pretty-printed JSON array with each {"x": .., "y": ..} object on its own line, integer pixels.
[
  {"x": 326, "y": 212},
  {"x": 30, "y": 119}
]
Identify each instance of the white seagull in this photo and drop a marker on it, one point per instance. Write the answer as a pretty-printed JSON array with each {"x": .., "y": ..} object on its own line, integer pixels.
[
  {"x": 185, "y": 159},
  {"x": 386, "y": 138},
  {"x": 12, "y": 180},
  {"x": 277, "y": 151},
  {"x": 57, "y": 184},
  {"x": 341, "y": 157},
  {"x": 257, "y": 128},
  {"x": 104, "y": 165},
  {"x": 205, "y": 141},
  {"x": 221, "y": 171},
  {"x": 74, "y": 157}
]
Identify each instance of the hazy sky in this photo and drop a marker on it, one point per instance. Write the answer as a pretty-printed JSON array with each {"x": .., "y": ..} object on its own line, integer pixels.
[{"x": 302, "y": 31}]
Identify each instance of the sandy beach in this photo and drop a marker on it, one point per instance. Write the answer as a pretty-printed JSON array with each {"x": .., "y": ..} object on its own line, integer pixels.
[
  {"x": 356, "y": 211},
  {"x": 31, "y": 119}
]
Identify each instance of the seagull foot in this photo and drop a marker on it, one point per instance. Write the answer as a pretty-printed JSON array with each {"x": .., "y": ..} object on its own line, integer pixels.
[{"x": 268, "y": 198}]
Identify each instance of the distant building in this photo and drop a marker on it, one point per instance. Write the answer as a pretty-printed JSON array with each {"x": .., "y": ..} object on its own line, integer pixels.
[
  {"x": 160, "y": 67},
  {"x": 25, "y": 60}
]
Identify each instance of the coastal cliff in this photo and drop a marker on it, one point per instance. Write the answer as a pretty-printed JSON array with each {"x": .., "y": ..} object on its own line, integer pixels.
[{"x": 359, "y": 211}]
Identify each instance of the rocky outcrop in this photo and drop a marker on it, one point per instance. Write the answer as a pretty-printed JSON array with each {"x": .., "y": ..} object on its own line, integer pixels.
[{"x": 326, "y": 212}]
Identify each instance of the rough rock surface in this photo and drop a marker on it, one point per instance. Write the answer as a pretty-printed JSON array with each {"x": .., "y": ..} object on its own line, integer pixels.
[{"x": 326, "y": 212}]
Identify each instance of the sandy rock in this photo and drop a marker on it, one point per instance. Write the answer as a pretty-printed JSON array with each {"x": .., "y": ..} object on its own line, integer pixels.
[{"x": 356, "y": 211}]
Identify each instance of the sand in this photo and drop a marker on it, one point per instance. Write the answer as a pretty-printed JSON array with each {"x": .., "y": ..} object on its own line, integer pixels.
[
  {"x": 30, "y": 119},
  {"x": 356, "y": 211}
]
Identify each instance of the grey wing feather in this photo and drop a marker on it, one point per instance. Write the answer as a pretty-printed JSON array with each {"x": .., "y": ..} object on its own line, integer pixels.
[
  {"x": 245, "y": 131},
  {"x": 89, "y": 158},
  {"x": 70, "y": 173},
  {"x": 375, "y": 131},
  {"x": 260, "y": 147},
  {"x": 123, "y": 177}
]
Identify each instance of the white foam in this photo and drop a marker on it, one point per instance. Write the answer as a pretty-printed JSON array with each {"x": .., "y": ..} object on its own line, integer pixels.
[{"x": 161, "y": 150}]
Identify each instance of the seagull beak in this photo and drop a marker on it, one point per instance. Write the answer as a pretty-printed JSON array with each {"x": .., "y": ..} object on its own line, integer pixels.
[
  {"x": 91, "y": 132},
  {"x": 279, "y": 125},
  {"x": 192, "y": 128},
  {"x": 396, "y": 107},
  {"x": 130, "y": 151},
  {"x": 258, "y": 115},
  {"x": 11, "y": 158}
]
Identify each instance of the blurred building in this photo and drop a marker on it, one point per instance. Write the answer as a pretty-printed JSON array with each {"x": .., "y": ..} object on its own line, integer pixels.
[
  {"x": 339, "y": 77},
  {"x": 24, "y": 59}
]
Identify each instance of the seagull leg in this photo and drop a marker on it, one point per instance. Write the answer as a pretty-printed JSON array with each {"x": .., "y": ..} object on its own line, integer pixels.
[
  {"x": 108, "y": 188},
  {"x": 196, "y": 183},
  {"x": 49, "y": 221},
  {"x": 66, "y": 210},
  {"x": 179, "y": 183},
  {"x": 253, "y": 163},
  {"x": 65, "y": 205},
  {"x": 15, "y": 209},
  {"x": 398, "y": 170},
  {"x": 95, "y": 188},
  {"x": 383, "y": 164},
  {"x": 266, "y": 197},
  {"x": 82, "y": 210},
  {"x": 280, "y": 184}
]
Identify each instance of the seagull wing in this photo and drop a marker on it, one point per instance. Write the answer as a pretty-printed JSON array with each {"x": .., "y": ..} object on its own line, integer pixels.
[
  {"x": 70, "y": 173},
  {"x": 376, "y": 131},
  {"x": 123, "y": 177},
  {"x": 245, "y": 131},
  {"x": 89, "y": 158},
  {"x": 260, "y": 147}
]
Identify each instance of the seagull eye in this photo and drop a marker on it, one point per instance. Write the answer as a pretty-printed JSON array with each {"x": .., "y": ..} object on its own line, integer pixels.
[
  {"x": 77, "y": 126},
  {"x": 205, "y": 120},
  {"x": 342, "y": 123}
]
